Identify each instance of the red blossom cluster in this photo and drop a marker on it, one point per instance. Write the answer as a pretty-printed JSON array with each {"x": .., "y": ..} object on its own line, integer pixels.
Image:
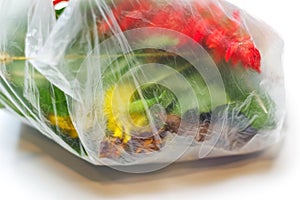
[
  {"x": 223, "y": 36},
  {"x": 58, "y": 1}
]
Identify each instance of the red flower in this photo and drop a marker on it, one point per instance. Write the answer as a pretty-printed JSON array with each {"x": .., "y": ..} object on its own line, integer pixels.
[
  {"x": 207, "y": 24},
  {"x": 58, "y": 1}
]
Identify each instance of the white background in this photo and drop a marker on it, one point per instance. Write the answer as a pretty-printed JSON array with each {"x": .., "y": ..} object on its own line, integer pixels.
[{"x": 33, "y": 167}]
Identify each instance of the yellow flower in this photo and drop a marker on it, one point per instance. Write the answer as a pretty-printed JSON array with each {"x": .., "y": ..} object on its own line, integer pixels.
[
  {"x": 65, "y": 124},
  {"x": 116, "y": 110}
]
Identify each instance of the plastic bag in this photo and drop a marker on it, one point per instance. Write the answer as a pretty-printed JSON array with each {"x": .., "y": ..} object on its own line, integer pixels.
[
  {"x": 23, "y": 90},
  {"x": 127, "y": 82}
]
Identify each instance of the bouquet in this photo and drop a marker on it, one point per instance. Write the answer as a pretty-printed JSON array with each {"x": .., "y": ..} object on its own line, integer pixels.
[{"x": 127, "y": 82}]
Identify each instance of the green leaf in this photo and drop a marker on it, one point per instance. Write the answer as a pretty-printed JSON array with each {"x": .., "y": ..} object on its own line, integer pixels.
[{"x": 243, "y": 87}]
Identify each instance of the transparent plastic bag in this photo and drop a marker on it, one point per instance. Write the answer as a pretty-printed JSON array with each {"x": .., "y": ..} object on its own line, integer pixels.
[
  {"x": 23, "y": 90},
  {"x": 127, "y": 82}
]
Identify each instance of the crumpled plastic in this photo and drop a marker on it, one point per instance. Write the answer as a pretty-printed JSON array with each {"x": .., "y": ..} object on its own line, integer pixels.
[{"x": 127, "y": 82}]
